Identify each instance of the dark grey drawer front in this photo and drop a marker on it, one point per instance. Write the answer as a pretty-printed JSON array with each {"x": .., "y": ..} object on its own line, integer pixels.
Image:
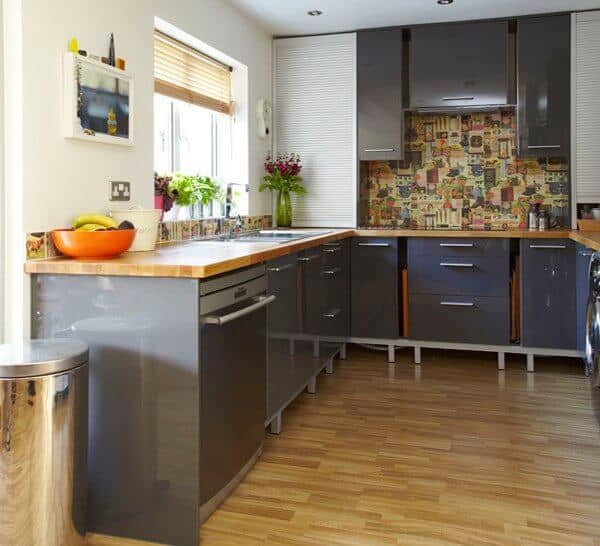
[
  {"x": 460, "y": 319},
  {"x": 335, "y": 303},
  {"x": 463, "y": 275},
  {"x": 335, "y": 254},
  {"x": 437, "y": 248},
  {"x": 282, "y": 275}
]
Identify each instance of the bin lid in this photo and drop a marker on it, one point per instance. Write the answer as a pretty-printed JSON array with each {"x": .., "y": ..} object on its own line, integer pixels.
[{"x": 41, "y": 357}]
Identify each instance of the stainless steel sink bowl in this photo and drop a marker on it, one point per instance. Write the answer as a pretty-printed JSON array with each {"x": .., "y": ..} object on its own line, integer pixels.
[{"x": 270, "y": 236}]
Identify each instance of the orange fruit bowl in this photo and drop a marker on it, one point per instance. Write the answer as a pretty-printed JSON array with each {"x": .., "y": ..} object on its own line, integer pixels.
[{"x": 93, "y": 244}]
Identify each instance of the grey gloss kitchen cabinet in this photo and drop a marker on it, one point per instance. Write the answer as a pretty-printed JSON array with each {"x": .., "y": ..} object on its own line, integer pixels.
[
  {"x": 282, "y": 276},
  {"x": 379, "y": 94},
  {"x": 544, "y": 88},
  {"x": 375, "y": 280},
  {"x": 548, "y": 289},
  {"x": 312, "y": 291},
  {"x": 459, "y": 290},
  {"x": 459, "y": 64}
]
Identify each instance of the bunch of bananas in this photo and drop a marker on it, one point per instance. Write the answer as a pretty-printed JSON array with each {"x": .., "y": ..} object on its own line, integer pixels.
[{"x": 94, "y": 222}]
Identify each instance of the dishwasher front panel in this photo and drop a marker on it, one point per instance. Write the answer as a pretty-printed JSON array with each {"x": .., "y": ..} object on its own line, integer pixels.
[{"x": 233, "y": 357}]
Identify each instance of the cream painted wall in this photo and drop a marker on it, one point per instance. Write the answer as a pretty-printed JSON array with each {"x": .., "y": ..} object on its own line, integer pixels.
[{"x": 65, "y": 177}]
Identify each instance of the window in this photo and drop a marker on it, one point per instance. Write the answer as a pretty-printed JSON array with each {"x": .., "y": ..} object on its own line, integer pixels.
[{"x": 193, "y": 129}]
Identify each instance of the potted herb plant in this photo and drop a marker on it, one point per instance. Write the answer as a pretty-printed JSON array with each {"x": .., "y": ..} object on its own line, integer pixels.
[
  {"x": 163, "y": 195},
  {"x": 193, "y": 189},
  {"x": 283, "y": 177}
]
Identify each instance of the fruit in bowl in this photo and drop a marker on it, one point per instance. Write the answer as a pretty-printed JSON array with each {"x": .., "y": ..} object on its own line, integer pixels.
[{"x": 94, "y": 236}]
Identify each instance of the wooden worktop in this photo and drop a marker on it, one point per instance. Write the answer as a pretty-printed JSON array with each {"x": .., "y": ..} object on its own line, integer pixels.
[{"x": 202, "y": 259}]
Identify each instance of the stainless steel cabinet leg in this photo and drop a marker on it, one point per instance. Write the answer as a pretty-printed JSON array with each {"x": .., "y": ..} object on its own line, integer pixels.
[
  {"x": 417, "y": 355},
  {"x": 501, "y": 361},
  {"x": 329, "y": 366},
  {"x": 391, "y": 354},
  {"x": 275, "y": 426},
  {"x": 343, "y": 352},
  {"x": 312, "y": 386},
  {"x": 316, "y": 348},
  {"x": 530, "y": 364}
]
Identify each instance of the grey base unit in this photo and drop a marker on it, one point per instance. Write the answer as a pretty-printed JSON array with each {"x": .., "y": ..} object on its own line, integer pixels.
[
  {"x": 548, "y": 288},
  {"x": 460, "y": 319},
  {"x": 459, "y": 290},
  {"x": 375, "y": 294}
]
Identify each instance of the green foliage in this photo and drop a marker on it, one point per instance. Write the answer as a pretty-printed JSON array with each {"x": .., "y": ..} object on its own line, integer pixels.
[
  {"x": 192, "y": 189},
  {"x": 278, "y": 182}
]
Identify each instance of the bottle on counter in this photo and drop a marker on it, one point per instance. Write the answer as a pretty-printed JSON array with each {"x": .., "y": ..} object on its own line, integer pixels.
[
  {"x": 111, "y": 50},
  {"x": 543, "y": 220},
  {"x": 532, "y": 217}
]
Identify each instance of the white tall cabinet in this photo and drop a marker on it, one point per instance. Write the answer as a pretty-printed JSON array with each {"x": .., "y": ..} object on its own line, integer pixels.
[
  {"x": 315, "y": 116},
  {"x": 585, "y": 66}
]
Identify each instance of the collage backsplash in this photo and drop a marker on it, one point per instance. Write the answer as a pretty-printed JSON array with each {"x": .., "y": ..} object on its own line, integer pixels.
[{"x": 461, "y": 171}]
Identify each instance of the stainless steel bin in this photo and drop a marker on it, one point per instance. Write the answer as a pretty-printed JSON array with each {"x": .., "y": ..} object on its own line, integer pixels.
[{"x": 43, "y": 443}]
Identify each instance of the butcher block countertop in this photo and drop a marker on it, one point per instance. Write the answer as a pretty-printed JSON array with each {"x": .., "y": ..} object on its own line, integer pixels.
[{"x": 202, "y": 259}]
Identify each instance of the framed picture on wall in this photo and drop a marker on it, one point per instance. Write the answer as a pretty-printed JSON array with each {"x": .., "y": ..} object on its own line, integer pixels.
[{"x": 98, "y": 101}]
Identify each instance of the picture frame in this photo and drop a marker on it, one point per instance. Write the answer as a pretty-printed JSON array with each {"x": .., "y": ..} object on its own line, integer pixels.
[{"x": 98, "y": 101}]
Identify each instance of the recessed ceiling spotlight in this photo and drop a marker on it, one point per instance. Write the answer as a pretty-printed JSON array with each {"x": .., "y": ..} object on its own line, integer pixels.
[
  {"x": 315, "y": 12},
  {"x": 444, "y": 2}
]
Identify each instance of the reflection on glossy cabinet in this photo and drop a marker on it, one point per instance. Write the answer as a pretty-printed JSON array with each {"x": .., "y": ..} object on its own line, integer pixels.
[
  {"x": 548, "y": 288},
  {"x": 459, "y": 64},
  {"x": 379, "y": 94},
  {"x": 544, "y": 65}
]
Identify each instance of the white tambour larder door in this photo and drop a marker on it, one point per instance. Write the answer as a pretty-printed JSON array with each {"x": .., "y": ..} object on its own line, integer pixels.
[{"x": 315, "y": 116}]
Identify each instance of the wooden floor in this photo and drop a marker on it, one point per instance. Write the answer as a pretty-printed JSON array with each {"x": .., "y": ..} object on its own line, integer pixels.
[{"x": 448, "y": 453}]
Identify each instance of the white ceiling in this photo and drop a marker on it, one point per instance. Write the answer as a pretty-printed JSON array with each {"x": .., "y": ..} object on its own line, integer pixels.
[{"x": 289, "y": 17}]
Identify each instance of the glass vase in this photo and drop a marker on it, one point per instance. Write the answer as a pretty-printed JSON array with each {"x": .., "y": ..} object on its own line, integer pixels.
[{"x": 283, "y": 209}]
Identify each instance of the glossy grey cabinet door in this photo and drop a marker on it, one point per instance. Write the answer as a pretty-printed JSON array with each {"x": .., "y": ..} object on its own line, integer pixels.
[
  {"x": 459, "y": 64},
  {"x": 548, "y": 288},
  {"x": 544, "y": 89},
  {"x": 282, "y": 276},
  {"x": 335, "y": 284},
  {"x": 379, "y": 94},
  {"x": 144, "y": 420},
  {"x": 310, "y": 274},
  {"x": 375, "y": 280}
]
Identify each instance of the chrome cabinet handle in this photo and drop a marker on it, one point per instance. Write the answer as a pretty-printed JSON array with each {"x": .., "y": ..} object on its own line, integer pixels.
[
  {"x": 586, "y": 254},
  {"x": 457, "y": 98},
  {"x": 457, "y": 245},
  {"x": 374, "y": 244},
  {"x": 378, "y": 150},
  {"x": 544, "y": 147},
  {"x": 332, "y": 250},
  {"x": 332, "y": 314},
  {"x": 333, "y": 271},
  {"x": 279, "y": 268},
  {"x": 306, "y": 259},
  {"x": 449, "y": 264},
  {"x": 555, "y": 247},
  {"x": 457, "y": 304},
  {"x": 260, "y": 302}
]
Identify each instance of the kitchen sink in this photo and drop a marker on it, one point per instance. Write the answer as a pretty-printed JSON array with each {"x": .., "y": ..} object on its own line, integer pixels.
[{"x": 270, "y": 236}]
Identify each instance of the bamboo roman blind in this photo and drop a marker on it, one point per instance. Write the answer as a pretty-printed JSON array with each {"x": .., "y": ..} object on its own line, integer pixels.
[{"x": 184, "y": 73}]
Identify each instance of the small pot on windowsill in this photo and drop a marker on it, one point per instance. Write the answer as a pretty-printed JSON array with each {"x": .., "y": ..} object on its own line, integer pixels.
[{"x": 159, "y": 203}]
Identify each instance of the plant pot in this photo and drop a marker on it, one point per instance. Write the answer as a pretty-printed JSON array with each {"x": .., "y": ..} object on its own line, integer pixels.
[
  {"x": 283, "y": 209},
  {"x": 159, "y": 203}
]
